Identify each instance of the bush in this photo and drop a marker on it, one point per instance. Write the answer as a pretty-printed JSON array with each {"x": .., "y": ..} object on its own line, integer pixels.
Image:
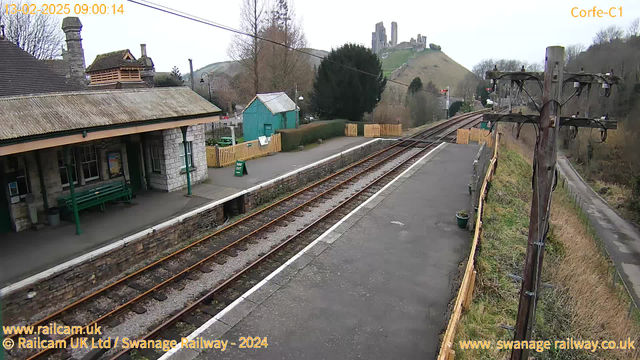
[
  {"x": 307, "y": 134},
  {"x": 433, "y": 46}
]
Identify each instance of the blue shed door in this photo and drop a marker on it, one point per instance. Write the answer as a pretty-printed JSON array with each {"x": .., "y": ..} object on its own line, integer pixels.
[{"x": 268, "y": 130}]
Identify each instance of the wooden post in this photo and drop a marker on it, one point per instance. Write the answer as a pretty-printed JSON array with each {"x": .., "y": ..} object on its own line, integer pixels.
[
  {"x": 469, "y": 296},
  {"x": 544, "y": 167}
]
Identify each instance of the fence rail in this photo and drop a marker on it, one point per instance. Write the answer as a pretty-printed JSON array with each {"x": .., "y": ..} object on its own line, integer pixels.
[
  {"x": 465, "y": 293},
  {"x": 225, "y": 156}
]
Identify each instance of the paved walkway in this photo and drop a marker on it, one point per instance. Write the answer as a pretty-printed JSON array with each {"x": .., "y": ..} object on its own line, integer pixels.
[
  {"x": 375, "y": 287},
  {"x": 621, "y": 238},
  {"x": 29, "y": 252}
]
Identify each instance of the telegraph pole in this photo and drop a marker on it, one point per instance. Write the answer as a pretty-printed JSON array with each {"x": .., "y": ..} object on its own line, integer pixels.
[
  {"x": 549, "y": 122},
  {"x": 543, "y": 179}
]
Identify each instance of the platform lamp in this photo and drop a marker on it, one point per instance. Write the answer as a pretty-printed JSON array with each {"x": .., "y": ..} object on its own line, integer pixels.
[{"x": 208, "y": 83}]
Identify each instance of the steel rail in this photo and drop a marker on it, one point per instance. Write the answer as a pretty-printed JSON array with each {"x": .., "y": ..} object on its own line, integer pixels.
[
  {"x": 156, "y": 331},
  {"x": 427, "y": 132}
]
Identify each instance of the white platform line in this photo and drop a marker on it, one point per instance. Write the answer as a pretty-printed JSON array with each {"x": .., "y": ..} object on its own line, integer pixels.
[
  {"x": 132, "y": 238},
  {"x": 257, "y": 286}
]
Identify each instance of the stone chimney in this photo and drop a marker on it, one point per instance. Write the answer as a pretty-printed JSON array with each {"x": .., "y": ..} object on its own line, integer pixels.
[
  {"x": 75, "y": 54},
  {"x": 149, "y": 70}
]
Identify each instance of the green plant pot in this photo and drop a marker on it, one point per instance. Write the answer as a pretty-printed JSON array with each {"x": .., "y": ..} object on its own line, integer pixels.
[{"x": 462, "y": 221}]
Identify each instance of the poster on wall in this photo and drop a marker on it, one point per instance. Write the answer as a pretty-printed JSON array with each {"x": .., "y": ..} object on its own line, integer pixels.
[{"x": 114, "y": 160}]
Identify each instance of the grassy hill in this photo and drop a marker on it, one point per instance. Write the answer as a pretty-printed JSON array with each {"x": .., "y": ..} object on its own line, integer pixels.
[{"x": 429, "y": 65}]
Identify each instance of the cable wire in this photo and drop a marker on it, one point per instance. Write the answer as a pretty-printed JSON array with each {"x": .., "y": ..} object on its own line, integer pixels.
[{"x": 188, "y": 16}]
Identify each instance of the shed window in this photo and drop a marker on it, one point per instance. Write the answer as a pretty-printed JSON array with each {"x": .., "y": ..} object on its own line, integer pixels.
[
  {"x": 156, "y": 157},
  {"x": 64, "y": 178},
  {"x": 89, "y": 163},
  {"x": 189, "y": 155}
]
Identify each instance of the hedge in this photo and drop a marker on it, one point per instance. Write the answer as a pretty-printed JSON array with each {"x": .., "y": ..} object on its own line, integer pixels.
[{"x": 310, "y": 133}]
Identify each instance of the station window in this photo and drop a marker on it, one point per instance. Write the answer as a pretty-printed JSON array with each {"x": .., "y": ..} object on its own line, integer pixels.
[
  {"x": 156, "y": 157},
  {"x": 17, "y": 177},
  {"x": 64, "y": 178},
  {"x": 89, "y": 163},
  {"x": 189, "y": 155}
]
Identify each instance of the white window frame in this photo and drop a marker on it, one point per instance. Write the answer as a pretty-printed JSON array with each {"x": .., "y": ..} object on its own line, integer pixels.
[
  {"x": 60, "y": 155},
  {"x": 189, "y": 153},
  {"x": 94, "y": 152},
  {"x": 155, "y": 153}
]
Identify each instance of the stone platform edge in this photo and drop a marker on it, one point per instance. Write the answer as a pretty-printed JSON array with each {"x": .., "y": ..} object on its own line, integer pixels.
[{"x": 134, "y": 238}]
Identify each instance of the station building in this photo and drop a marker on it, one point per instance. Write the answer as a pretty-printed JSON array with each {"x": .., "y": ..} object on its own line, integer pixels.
[{"x": 59, "y": 134}]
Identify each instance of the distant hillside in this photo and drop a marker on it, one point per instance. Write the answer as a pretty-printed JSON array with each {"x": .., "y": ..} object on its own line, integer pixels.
[
  {"x": 231, "y": 68},
  {"x": 429, "y": 65}
]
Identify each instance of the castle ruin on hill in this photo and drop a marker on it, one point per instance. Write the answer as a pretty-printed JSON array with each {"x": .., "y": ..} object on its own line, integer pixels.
[{"x": 379, "y": 40}]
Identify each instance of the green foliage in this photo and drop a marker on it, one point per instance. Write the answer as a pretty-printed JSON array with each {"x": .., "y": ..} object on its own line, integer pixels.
[
  {"x": 455, "y": 107},
  {"x": 433, "y": 46},
  {"x": 466, "y": 107},
  {"x": 481, "y": 90},
  {"x": 307, "y": 134},
  {"x": 174, "y": 79},
  {"x": 342, "y": 92},
  {"x": 395, "y": 59},
  {"x": 415, "y": 86}
]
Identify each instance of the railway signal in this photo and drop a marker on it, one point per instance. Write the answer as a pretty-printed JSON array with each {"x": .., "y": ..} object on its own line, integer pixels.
[{"x": 545, "y": 174}]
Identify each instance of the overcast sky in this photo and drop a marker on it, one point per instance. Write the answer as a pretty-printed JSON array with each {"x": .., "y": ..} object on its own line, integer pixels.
[{"x": 468, "y": 31}]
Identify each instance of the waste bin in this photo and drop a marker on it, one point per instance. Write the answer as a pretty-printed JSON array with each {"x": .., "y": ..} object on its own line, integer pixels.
[{"x": 54, "y": 216}]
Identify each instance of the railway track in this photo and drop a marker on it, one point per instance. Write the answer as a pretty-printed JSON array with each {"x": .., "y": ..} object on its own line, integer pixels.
[{"x": 108, "y": 306}]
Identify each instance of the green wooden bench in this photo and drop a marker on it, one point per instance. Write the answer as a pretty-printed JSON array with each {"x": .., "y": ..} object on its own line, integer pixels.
[{"x": 96, "y": 196}]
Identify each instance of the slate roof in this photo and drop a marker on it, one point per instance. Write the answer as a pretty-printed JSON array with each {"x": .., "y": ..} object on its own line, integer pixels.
[
  {"x": 24, "y": 116},
  {"x": 113, "y": 60},
  {"x": 277, "y": 102},
  {"x": 21, "y": 73}
]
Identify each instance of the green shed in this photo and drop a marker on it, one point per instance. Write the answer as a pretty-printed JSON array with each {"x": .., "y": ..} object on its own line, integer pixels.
[{"x": 267, "y": 113}]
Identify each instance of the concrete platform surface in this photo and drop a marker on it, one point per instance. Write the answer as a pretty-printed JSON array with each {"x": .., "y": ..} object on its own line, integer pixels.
[
  {"x": 375, "y": 287},
  {"x": 30, "y": 252}
]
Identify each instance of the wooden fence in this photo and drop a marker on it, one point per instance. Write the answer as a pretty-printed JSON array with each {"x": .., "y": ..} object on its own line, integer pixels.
[
  {"x": 391, "y": 129},
  {"x": 463, "y": 136},
  {"x": 225, "y": 156},
  {"x": 465, "y": 293},
  {"x": 372, "y": 130},
  {"x": 351, "y": 130}
]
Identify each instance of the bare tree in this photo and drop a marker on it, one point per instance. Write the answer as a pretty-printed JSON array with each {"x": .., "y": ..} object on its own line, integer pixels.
[
  {"x": 246, "y": 50},
  {"x": 482, "y": 67},
  {"x": 38, "y": 34},
  {"x": 468, "y": 86},
  {"x": 572, "y": 51},
  {"x": 634, "y": 28},
  {"x": 286, "y": 66},
  {"x": 609, "y": 34}
]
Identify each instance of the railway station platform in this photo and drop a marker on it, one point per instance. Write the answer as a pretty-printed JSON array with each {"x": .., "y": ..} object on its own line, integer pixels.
[
  {"x": 374, "y": 286},
  {"x": 31, "y": 252}
]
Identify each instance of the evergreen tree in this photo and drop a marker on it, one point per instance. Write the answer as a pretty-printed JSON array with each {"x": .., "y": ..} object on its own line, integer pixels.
[
  {"x": 343, "y": 91},
  {"x": 176, "y": 76},
  {"x": 415, "y": 86}
]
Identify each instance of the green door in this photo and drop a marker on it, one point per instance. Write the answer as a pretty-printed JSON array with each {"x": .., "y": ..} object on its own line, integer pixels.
[
  {"x": 268, "y": 130},
  {"x": 133, "y": 159},
  {"x": 5, "y": 216}
]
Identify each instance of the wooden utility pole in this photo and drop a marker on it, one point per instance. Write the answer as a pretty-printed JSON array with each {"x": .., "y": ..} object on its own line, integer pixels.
[
  {"x": 549, "y": 122},
  {"x": 543, "y": 179}
]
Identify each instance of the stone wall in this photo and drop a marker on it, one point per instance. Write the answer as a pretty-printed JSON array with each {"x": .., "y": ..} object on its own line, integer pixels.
[
  {"x": 176, "y": 178},
  {"x": 269, "y": 192},
  {"x": 480, "y": 165},
  {"x": 95, "y": 270}
]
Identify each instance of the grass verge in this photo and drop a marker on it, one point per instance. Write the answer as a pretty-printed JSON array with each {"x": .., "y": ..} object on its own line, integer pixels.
[{"x": 584, "y": 303}]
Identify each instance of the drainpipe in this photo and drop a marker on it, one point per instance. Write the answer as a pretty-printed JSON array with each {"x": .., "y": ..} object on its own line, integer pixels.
[
  {"x": 72, "y": 190},
  {"x": 186, "y": 157},
  {"x": 43, "y": 189}
]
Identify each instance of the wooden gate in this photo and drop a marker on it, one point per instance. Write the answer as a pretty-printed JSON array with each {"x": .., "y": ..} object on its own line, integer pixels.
[
  {"x": 391, "y": 129},
  {"x": 226, "y": 156},
  {"x": 351, "y": 130},
  {"x": 372, "y": 130}
]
